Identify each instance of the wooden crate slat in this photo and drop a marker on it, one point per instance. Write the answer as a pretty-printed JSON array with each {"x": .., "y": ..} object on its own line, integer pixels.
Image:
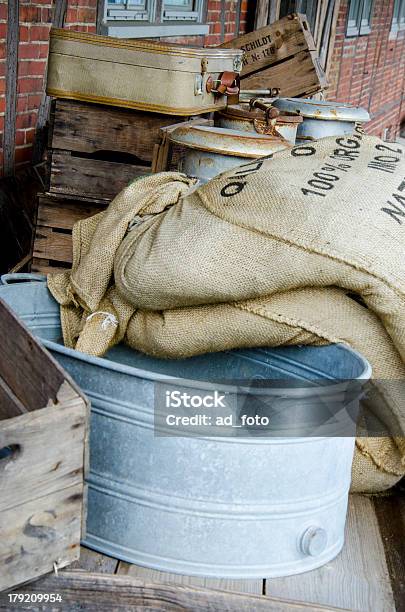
[
  {"x": 42, "y": 474},
  {"x": 95, "y": 178},
  {"x": 53, "y": 239},
  {"x": 226, "y": 584},
  {"x": 92, "y": 561},
  {"x": 50, "y": 243},
  {"x": 38, "y": 460},
  {"x": 96, "y": 592},
  {"x": 22, "y": 364},
  {"x": 90, "y": 128},
  {"x": 390, "y": 512},
  {"x": 55, "y": 198},
  {"x": 300, "y": 73},
  {"x": 270, "y": 53},
  {"x": 63, "y": 214},
  {"x": 44, "y": 266},
  {"x": 38, "y": 531},
  {"x": 10, "y": 405}
]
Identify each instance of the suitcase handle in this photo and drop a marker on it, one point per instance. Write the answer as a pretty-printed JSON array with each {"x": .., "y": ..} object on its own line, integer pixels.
[
  {"x": 21, "y": 277},
  {"x": 226, "y": 85}
]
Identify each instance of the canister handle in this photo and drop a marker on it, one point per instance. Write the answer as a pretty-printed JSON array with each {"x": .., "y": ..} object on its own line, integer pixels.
[
  {"x": 21, "y": 277},
  {"x": 271, "y": 111}
]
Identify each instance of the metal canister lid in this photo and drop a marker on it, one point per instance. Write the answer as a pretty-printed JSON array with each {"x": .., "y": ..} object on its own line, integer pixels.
[
  {"x": 322, "y": 109},
  {"x": 228, "y": 142}
]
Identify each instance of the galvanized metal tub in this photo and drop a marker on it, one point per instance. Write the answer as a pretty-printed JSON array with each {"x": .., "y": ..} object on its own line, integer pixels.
[
  {"x": 229, "y": 507},
  {"x": 242, "y": 117},
  {"x": 322, "y": 118},
  {"x": 212, "y": 150}
]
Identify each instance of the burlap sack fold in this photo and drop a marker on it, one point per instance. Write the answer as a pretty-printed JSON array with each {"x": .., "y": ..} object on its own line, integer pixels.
[
  {"x": 268, "y": 254},
  {"x": 94, "y": 315}
]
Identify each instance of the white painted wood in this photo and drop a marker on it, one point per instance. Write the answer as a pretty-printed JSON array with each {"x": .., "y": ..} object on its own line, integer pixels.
[{"x": 357, "y": 579}]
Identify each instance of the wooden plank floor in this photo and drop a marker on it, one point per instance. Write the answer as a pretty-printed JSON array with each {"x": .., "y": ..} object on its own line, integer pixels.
[{"x": 368, "y": 576}]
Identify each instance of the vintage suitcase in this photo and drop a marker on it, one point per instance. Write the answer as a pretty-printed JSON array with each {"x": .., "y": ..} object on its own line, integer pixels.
[{"x": 141, "y": 74}]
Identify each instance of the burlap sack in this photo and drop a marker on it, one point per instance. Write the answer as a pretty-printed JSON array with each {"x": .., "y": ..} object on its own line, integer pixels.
[{"x": 252, "y": 259}]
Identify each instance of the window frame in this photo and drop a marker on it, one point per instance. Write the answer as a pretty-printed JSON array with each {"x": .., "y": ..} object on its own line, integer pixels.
[
  {"x": 153, "y": 19},
  {"x": 361, "y": 24},
  {"x": 127, "y": 12},
  {"x": 398, "y": 17},
  {"x": 296, "y": 6}
]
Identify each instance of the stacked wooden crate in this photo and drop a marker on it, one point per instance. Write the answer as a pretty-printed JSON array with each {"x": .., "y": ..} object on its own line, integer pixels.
[
  {"x": 43, "y": 459},
  {"x": 94, "y": 152}
]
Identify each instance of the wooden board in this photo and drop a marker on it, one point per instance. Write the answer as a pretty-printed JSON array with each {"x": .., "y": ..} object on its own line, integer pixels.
[
  {"x": 372, "y": 561},
  {"x": 390, "y": 512},
  {"x": 17, "y": 214},
  {"x": 38, "y": 149},
  {"x": 53, "y": 234},
  {"x": 23, "y": 364},
  {"x": 167, "y": 156},
  {"x": 91, "y": 178},
  {"x": 273, "y": 49},
  {"x": 91, "y": 128},
  {"x": 357, "y": 579},
  {"x": 11, "y": 67},
  {"x": 100, "y": 592},
  {"x": 37, "y": 459},
  {"x": 95, "y": 562},
  {"x": 47, "y": 266},
  {"x": 42, "y": 473},
  {"x": 52, "y": 243},
  {"x": 297, "y": 75},
  {"x": 38, "y": 534},
  {"x": 261, "y": 14},
  {"x": 150, "y": 575},
  {"x": 63, "y": 214}
]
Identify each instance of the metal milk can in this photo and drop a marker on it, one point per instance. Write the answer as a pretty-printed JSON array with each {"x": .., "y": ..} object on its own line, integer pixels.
[
  {"x": 322, "y": 118},
  {"x": 209, "y": 151},
  {"x": 261, "y": 117}
]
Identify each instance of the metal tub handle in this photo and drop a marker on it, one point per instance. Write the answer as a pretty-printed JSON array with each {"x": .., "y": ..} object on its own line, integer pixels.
[{"x": 22, "y": 277}]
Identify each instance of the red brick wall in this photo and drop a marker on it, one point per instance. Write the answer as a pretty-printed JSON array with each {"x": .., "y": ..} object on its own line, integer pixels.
[
  {"x": 369, "y": 71},
  {"x": 3, "y": 31},
  {"x": 35, "y": 22}
]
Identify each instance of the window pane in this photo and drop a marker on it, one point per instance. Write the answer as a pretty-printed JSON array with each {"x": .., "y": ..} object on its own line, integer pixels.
[
  {"x": 366, "y": 15},
  {"x": 401, "y": 11},
  {"x": 287, "y": 7},
  {"x": 309, "y": 8},
  {"x": 127, "y": 3},
  {"x": 397, "y": 10},
  {"x": 354, "y": 11},
  {"x": 180, "y": 4}
]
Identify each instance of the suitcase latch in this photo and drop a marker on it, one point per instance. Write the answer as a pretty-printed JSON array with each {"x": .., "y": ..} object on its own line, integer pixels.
[
  {"x": 198, "y": 85},
  {"x": 237, "y": 64}
]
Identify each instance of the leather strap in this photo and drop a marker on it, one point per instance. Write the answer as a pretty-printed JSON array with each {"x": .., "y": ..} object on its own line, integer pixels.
[{"x": 227, "y": 84}]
